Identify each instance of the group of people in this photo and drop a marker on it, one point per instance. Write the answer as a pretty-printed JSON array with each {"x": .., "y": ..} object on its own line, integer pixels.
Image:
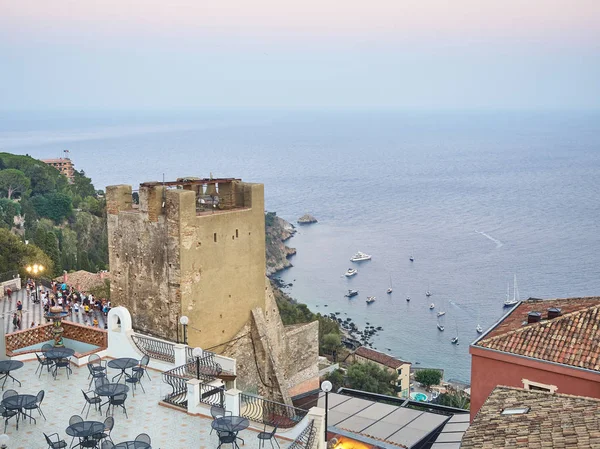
[{"x": 65, "y": 296}]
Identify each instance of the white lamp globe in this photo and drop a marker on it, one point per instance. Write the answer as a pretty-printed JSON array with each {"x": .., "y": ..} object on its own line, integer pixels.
[
  {"x": 197, "y": 352},
  {"x": 326, "y": 386},
  {"x": 184, "y": 320},
  {"x": 4, "y": 439}
]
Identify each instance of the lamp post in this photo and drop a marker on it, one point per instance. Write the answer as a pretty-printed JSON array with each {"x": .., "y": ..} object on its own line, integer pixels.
[
  {"x": 4, "y": 439},
  {"x": 184, "y": 320},
  {"x": 326, "y": 387},
  {"x": 197, "y": 353},
  {"x": 35, "y": 270}
]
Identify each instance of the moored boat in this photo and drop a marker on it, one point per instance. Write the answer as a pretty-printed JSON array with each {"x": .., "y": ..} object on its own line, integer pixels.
[
  {"x": 351, "y": 293},
  {"x": 350, "y": 272},
  {"x": 360, "y": 256},
  {"x": 370, "y": 299}
]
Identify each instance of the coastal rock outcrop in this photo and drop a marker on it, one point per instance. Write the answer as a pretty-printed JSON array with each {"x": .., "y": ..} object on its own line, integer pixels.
[
  {"x": 307, "y": 219},
  {"x": 277, "y": 231}
]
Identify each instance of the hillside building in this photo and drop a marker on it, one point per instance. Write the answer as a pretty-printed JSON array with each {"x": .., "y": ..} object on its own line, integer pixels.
[
  {"x": 391, "y": 364},
  {"x": 196, "y": 248},
  {"x": 64, "y": 165}
]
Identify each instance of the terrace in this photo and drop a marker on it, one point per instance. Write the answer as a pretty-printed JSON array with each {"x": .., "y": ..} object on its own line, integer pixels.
[{"x": 174, "y": 410}]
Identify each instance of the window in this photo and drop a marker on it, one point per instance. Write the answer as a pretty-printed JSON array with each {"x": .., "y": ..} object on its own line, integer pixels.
[
  {"x": 536, "y": 386},
  {"x": 515, "y": 411},
  {"x": 236, "y": 234},
  {"x": 215, "y": 237},
  {"x": 399, "y": 371}
]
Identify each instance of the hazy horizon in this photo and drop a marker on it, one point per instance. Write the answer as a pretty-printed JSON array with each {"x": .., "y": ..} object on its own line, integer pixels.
[{"x": 413, "y": 55}]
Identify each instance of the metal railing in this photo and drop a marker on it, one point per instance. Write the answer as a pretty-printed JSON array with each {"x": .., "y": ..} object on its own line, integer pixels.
[
  {"x": 306, "y": 438},
  {"x": 271, "y": 413},
  {"x": 177, "y": 378},
  {"x": 211, "y": 395},
  {"x": 154, "y": 348},
  {"x": 208, "y": 365}
]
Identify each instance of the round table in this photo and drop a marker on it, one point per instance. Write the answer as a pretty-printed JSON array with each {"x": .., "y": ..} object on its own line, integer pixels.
[
  {"x": 123, "y": 363},
  {"x": 85, "y": 429},
  {"x": 18, "y": 402},
  {"x": 59, "y": 353},
  {"x": 232, "y": 424},
  {"x": 111, "y": 390},
  {"x": 132, "y": 445},
  {"x": 6, "y": 366}
]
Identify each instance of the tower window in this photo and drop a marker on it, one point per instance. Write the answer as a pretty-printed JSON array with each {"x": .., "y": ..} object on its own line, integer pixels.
[
  {"x": 215, "y": 237},
  {"x": 236, "y": 234}
]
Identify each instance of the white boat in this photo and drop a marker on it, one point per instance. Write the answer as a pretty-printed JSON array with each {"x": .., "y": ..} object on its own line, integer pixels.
[
  {"x": 515, "y": 300},
  {"x": 441, "y": 312},
  {"x": 431, "y": 306},
  {"x": 479, "y": 329},
  {"x": 440, "y": 327},
  {"x": 454, "y": 340},
  {"x": 350, "y": 272},
  {"x": 370, "y": 299},
  {"x": 411, "y": 258},
  {"x": 428, "y": 292},
  {"x": 390, "y": 289},
  {"x": 351, "y": 293},
  {"x": 360, "y": 256}
]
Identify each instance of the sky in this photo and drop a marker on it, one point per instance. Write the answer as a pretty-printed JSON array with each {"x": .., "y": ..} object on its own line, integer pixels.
[{"x": 391, "y": 54}]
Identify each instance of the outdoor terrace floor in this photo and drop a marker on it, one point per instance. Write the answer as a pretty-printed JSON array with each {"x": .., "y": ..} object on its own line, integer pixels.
[{"x": 168, "y": 428}]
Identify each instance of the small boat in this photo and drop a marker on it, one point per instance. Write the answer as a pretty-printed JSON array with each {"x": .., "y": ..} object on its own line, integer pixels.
[
  {"x": 411, "y": 258},
  {"x": 370, "y": 299},
  {"x": 428, "y": 293},
  {"x": 440, "y": 327},
  {"x": 360, "y": 256},
  {"x": 515, "y": 300},
  {"x": 479, "y": 329},
  {"x": 408, "y": 299},
  {"x": 351, "y": 293},
  {"x": 390, "y": 289},
  {"x": 350, "y": 272},
  {"x": 454, "y": 340},
  {"x": 431, "y": 306},
  {"x": 441, "y": 313}
]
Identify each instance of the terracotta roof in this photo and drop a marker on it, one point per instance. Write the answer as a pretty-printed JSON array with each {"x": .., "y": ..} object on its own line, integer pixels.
[
  {"x": 553, "y": 421},
  {"x": 84, "y": 280},
  {"x": 380, "y": 357},
  {"x": 570, "y": 339}
]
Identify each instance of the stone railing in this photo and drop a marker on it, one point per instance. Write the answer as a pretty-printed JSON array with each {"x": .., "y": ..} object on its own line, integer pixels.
[{"x": 43, "y": 333}]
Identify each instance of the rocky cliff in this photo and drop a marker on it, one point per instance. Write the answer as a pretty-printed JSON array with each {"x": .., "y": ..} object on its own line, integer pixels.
[{"x": 277, "y": 231}]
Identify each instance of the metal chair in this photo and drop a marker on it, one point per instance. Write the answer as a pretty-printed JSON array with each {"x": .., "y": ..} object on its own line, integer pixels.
[
  {"x": 217, "y": 412},
  {"x": 143, "y": 438},
  {"x": 227, "y": 438},
  {"x": 118, "y": 400},
  {"x": 109, "y": 423},
  {"x": 95, "y": 374},
  {"x": 96, "y": 363},
  {"x": 62, "y": 363},
  {"x": 100, "y": 381},
  {"x": 264, "y": 435},
  {"x": 143, "y": 366},
  {"x": 47, "y": 347},
  {"x": 135, "y": 379},
  {"x": 89, "y": 400},
  {"x": 43, "y": 362},
  {"x": 37, "y": 404},
  {"x": 107, "y": 444},
  {"x": 9, "y": 393},
  {"x": 74, "y": 420},
  {"x": 58, "y": 444},
  {"x": 7, "y": 414}
]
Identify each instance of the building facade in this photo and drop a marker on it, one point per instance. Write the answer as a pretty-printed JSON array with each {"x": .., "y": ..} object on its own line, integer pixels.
[
  {"x": 391, "y": 364},
  {"x": 63, "y": 165},
  {"x": 549, "y": 345},
  {"x": 196, "y": 248}
]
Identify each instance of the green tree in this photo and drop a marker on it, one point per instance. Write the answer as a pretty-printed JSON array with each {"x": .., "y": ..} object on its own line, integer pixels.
[
  {"x": 13, "y": 181},
  {"x": 336, "y": 378},
  {"x": 15, "y": 254},
  {"x": 8, "y": 210},
  {"x": 457, "y": 399},
  {"x": 428, "y": 377},
  {"x": 56, "y": 206},
  {"x": 370, "y": 377},
  {"x": 331, "y": 343}
]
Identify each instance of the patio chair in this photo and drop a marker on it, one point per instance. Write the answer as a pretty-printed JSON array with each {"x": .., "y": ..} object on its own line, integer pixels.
[
  {"x": 217, "y": 412},
  {"x": 101, "y": 381},
  {"x": 7, "y": 414},
  {"x": 43, "y": 362},
  {"x": 9, "y": 393},
  {"x": 228, "y": 438},
  {"x": 109, "y": 423},
  {"x": 107, "y": 445},
  {"x": 264, "y": 435},
  {"x": 63, "y": 363},
  {"x": 96, "y": 363},
  {"x": 135, "y": 379},
  {"x": 118, "y": 400},
  {"x": 143, "y": 438},
  {"x": 89, "y": 400},
  {"x": 58, "y": 444},
  {"x": 37, "y": 404},
  {"x": 74, "y": 420},
  {"x": 95, "y": 374},
  {"x": 143, "y": 366},
  {"x": 46, "y": 347}
]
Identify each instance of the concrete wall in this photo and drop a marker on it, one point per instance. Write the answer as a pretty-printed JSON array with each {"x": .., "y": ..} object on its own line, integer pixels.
[{"x": 490, "y": 369}]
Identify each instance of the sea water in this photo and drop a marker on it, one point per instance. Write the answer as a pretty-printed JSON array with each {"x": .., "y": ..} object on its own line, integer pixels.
[{"x": 474, "y": 197}]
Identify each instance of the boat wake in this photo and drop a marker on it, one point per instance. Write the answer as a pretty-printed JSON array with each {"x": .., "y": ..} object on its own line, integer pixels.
[{"x": 498, "y": 243}]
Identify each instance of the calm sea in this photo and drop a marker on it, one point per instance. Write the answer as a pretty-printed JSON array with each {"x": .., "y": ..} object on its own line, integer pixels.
[{"x": 474, "y": 197}]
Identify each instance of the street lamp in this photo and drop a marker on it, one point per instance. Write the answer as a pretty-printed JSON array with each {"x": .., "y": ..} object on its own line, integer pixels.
[
  {"x": 4, "y": 439},
  {"x": 326, "y": 387},
  {"x": 184, "y": 320},
  {"x": 197, "y": 353},
  {"x": 35, "y": 270}
]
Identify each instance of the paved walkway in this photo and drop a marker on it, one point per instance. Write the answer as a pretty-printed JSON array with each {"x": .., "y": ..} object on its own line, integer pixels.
[{"x": 33, "y": 312}]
